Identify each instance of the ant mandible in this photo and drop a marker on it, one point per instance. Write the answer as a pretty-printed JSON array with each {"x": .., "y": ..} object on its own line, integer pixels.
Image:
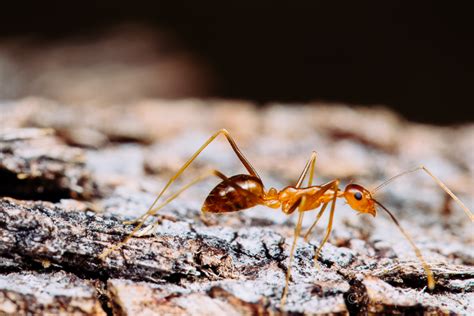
[{"x": 244, "y": 191}]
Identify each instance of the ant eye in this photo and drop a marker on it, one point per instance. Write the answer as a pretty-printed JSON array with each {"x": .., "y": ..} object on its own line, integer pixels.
[{"x": 358, "y": 196}]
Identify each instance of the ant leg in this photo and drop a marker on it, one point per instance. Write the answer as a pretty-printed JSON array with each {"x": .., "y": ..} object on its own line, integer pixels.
[
  {"x": 292, "y": 251},
  {"x": 332, "y": 184},
  {"x": 184, "y": 188},
  {"x": 320, "y": 214},
  {"x": 234, "y": 146},
  {"x": 309, "y": 166},
  {"x": 438, "y": 182},
  {"x": 329, "y": 227},
  {"x": 216, "y": 173}
]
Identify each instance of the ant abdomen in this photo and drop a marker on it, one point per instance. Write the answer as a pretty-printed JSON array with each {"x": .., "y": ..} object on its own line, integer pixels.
[{"x": 234, "y": 194}]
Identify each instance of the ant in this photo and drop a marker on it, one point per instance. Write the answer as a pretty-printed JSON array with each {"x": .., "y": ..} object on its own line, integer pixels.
[{"x": 244, "y": 191}]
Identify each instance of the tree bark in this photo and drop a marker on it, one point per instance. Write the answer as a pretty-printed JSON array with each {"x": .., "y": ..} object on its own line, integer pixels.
[{"x": 64, "y": 205}]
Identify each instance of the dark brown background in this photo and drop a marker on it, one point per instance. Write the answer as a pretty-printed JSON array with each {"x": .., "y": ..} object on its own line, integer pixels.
[{"x": 414, "y": 57}]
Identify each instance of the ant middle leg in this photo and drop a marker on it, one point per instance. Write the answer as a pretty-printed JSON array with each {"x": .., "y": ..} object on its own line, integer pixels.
[
  {"x": 308, "y": 167},
  {"x": 318, "y": 217},
  {"x": 292, "y": 251}
]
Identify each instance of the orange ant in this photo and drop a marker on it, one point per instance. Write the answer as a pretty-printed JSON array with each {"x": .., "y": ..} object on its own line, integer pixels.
[{"x": 244, "y": 191}]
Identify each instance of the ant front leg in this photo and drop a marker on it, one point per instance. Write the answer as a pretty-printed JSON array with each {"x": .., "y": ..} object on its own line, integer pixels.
[{"x": 329, "y": 227}]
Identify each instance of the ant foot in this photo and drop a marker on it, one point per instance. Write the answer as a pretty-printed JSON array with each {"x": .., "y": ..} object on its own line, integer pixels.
[{"x": 146, "y": 231}]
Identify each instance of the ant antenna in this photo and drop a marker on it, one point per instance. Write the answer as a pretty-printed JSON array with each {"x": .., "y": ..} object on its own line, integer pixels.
[
  {"x": 426, "y": 267},
  {"x": 393, "y": 178},
  {"x": 437, "y": 180}
]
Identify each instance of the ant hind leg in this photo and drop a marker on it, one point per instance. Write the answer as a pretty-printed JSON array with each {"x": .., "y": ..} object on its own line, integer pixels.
[
  {"x": 236, "y": 150},
  {"x": 136, "y": 231},
  {"x": 151, "y": 210}
]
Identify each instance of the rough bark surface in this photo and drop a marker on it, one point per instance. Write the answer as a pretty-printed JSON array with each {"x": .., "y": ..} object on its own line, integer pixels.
[
  {"x": 66, "y": 194},
  {"x": 57, "y": 293}
]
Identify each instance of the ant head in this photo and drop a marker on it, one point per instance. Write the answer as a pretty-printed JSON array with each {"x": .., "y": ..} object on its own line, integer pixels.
[{"x": 360, "y": 199}]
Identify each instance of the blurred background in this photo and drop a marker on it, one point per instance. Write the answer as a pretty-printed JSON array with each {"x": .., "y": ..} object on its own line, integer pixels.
[{"x": 414, "y": 57}]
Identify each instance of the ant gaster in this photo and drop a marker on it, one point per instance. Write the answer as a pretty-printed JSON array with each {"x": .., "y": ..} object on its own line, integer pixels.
[{"x": 244, "y": 191}]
